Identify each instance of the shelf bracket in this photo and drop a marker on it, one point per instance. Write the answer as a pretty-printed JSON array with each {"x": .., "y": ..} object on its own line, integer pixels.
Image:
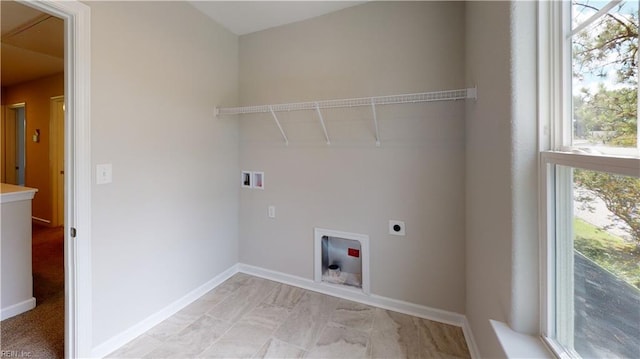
[
  {"x": 286, "y": 140},
  {"x": 375, "y": 121},
  {"x": 324, "y": 128},
  {"x": 472, "y": 93}
]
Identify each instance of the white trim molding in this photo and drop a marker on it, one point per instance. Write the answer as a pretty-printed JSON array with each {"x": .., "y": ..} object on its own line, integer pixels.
[
  {"x": 40, "y": 220},
  {"x": 355, "y": 295},
  {"x": 18, "y": 308},
  {"x": 626, "y": 166},
  {"x": 77, "y": 72},
  {"x": 395, "y": 305},
  {"x": 471, "y": 342},
  {"x": 518, "y": 345},
  {"x": 141, "y": 327}
]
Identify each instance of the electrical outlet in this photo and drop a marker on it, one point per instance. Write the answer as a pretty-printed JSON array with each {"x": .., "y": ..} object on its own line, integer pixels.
[
  {"x": 396, "y": 227},
  {"x": 271, "y": 212}
]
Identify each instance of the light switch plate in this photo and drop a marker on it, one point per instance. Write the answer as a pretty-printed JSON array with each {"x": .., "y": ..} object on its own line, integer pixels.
[{"x": 104, "y": 173}]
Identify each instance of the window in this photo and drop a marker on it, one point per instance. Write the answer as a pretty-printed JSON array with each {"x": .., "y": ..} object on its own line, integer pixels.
[
  {"x": 604, "y": 81},
  {"x": 590, "y": 178}
]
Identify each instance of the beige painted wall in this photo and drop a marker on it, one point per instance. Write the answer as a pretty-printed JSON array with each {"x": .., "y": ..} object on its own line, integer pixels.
[
  {"x": 37, "y": 95},
  {"x": 168, "y": 223},
  {"x": 501, "y": 171},
  {"x": 417, "y": 175},
  {"x": 488, "y": 196}
]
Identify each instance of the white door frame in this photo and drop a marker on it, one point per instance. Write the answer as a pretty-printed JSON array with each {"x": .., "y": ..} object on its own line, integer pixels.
[
  {"x": 77, "y": 251},
  {"x": 54, "y": 148}
]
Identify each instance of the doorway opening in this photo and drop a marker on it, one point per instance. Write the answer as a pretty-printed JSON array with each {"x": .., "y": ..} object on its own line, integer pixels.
[
  {"x": 77, "y": 183},
  {"x": 14, "y": 129},
  {"x": 32, "y": 73}
]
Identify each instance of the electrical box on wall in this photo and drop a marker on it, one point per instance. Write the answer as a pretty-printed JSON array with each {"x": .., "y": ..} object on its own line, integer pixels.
[
  {"x": 396, "y": 227},
  {"x": 104, "y": 173},
  {"x": 258, "y": 180},
  {"x": 252, "y": 179},
  {"x": 246, "y": 179}
]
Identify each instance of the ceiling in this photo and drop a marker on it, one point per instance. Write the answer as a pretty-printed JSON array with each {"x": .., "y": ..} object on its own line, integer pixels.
[
  {"x": 32, "y": 43},
  {"x": 244, "y": 17}
]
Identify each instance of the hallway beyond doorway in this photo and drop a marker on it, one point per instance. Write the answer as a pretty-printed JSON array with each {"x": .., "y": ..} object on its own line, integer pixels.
[{"x": 40, "y": 331}]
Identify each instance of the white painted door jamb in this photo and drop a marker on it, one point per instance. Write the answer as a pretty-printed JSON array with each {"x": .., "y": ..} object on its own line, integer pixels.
[{"x": 77, "y": 68}]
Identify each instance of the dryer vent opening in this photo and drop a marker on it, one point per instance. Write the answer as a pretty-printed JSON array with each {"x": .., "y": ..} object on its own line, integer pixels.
[{"x": 342, "y": 259}]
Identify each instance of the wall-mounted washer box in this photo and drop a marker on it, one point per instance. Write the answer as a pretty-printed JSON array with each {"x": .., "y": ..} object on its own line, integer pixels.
[
  {"x": 252, "y": 179},
  {"x": 258, "y": 180},
  {"x": 245, "y": 179}
]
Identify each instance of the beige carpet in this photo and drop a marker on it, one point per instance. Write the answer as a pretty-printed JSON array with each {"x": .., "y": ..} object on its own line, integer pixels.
[{"x": 39, "y": 333}]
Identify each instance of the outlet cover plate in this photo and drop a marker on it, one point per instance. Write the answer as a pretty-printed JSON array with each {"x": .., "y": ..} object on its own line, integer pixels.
[
  {"x": 396, "y": 227},
  {"x": 104, "y": 173}
]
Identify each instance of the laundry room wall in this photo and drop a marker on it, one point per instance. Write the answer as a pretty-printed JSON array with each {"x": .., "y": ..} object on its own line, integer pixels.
[
  {"x": 417, "y": 173},
  {"x": 168, "y": 222}
]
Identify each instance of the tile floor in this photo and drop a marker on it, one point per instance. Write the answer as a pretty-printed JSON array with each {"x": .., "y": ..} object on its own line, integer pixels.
[{"x": 250, "y": 317}]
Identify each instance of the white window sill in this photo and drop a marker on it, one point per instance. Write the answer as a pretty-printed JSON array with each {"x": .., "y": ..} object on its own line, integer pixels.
[{"x": 518, "y": 345}]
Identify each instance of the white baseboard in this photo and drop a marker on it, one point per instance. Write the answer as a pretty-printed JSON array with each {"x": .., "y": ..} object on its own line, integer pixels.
[
  {"x": 133, "y": 332},
  {"x": 471, "y": 342},
  {"x": 18, "y": 308},
  {"x": 395, "y": 305},
  {"x": 40, "y": 220}
]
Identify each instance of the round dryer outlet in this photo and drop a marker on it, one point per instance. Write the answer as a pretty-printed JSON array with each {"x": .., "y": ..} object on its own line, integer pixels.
[{"x": 396, "y": 227}]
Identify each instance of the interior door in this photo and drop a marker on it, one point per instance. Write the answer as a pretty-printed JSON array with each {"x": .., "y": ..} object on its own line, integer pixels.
[
  {"x": 21, "y": 144},
  {"x": 57, "y": 159},
  {"x": 3, "y": 145},
  {"x": 14, "y": 144}
]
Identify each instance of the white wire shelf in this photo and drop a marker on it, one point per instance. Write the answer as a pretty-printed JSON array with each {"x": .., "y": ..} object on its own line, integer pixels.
[{"x": 449, "y": 95}]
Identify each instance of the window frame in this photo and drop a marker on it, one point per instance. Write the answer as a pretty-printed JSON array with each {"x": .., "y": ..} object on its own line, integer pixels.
[
  {"x": 555, "y": 133},
  {"x": 552, "y": 191}
]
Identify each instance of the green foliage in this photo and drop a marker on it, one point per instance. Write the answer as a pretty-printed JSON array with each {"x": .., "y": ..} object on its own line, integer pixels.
[
  {"x": 610, "y": 252},
  {"x": 610, "y": 113},
  {"x": 607, "y": 115},
  {"x": 616, "y": 38},
  {"x": 621, "y": 195}
]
